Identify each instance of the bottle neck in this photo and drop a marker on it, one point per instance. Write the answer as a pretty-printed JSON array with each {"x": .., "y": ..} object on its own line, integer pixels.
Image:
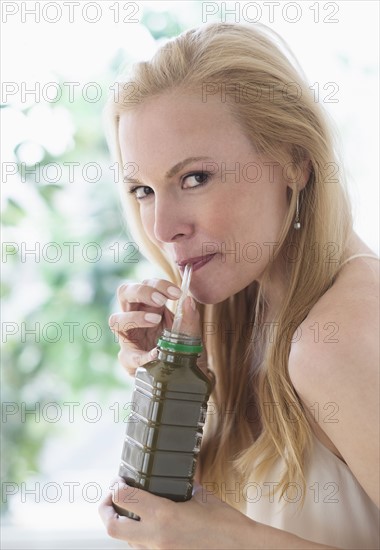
[{"x": 178, "y": 348}]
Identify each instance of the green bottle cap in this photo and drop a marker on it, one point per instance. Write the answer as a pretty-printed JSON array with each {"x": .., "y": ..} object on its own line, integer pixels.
[{"x": 176, "y": 347}]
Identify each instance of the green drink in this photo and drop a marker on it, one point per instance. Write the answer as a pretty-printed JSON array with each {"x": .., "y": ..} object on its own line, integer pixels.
[{"x": 164, "y": 431}]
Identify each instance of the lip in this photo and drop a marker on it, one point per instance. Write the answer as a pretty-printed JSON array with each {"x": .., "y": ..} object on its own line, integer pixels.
[{"x": 197, "y": 262}]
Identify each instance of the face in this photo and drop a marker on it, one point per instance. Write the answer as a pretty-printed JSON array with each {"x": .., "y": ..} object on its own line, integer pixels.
[{"x": 202, "y": 189}]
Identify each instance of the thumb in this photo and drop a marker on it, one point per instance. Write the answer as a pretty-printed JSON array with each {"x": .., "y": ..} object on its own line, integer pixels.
[{"x": 190, "y": 323}]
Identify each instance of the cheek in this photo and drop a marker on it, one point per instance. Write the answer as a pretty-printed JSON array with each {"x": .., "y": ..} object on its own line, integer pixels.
[
  {"x": 234, "y": 210},
  {"x": 251, "y": 213},
  {"x": 147, "y": 220},
  {"x": 214, "y": 216}
]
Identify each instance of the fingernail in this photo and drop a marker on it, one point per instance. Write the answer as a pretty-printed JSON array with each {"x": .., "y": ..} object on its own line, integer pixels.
[
  {"x": 192, "y": 303},
  {"x": 175, "y": 292},
  {"x": 152, "y": 317},
  {"x": 158, "y": 299},
  {"x": 154, "y": 352}
]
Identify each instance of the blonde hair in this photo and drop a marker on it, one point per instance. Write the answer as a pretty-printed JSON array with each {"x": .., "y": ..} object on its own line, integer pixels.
[{"x": 277, "y": 112}]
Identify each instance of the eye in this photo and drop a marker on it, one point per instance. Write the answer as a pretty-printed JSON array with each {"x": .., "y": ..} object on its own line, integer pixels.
[
  {"x": 141, "y": 192},
  {"x": 201, "y": 178},
  {"x": 138, "y": 189}
]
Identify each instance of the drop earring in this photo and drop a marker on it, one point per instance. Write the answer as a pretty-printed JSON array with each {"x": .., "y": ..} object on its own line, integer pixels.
[{"x": 297, "y": 224}]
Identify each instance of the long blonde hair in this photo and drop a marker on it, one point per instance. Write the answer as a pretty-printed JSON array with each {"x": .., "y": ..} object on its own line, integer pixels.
[{"x": 277, "y": 112}]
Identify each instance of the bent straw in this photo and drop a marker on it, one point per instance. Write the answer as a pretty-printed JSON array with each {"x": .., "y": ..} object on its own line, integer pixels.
[{"x": 184, "y": 289}]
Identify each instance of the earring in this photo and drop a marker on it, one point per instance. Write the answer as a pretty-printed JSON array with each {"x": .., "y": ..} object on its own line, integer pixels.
[{"x": 297, "y": 224}]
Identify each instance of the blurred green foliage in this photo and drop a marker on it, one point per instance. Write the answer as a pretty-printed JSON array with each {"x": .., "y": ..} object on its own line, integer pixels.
[{"x": 57, "y": 363}]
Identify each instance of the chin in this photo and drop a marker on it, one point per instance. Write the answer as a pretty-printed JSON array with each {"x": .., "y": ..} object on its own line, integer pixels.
[{"x": 209, "y": 298}]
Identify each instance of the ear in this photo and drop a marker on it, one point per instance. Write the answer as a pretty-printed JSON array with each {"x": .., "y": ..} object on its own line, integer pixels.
[{"x": 298, "y": 174}]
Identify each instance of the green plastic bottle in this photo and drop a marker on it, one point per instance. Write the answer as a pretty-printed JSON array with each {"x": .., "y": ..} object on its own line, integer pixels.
[{"x": 164, "y": 431}]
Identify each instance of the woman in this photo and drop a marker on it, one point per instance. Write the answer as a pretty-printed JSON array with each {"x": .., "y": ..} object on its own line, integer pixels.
[{"x": 227, "y": 159}]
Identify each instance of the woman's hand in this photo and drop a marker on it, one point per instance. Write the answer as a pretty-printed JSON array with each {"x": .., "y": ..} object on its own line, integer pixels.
[
  {"x": 138, "y": 334},
  {"x": 202, "y": 522}
]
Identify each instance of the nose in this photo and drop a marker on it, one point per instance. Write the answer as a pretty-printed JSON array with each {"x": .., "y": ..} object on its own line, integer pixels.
[{"x": 172, "y": 220}]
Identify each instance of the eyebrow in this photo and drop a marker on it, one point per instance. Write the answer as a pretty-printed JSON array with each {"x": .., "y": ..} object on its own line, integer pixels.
[{"x": 172, "y": 172}]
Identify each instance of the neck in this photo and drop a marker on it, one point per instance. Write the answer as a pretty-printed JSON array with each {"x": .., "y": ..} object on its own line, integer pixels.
[{"x": 274, "y": 289}]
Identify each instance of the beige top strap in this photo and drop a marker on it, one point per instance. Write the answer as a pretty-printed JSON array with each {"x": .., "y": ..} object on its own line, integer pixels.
[{"x": 360, "y": 256}]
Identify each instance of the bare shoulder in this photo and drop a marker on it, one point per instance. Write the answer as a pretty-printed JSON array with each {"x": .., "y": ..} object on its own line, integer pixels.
[
  {"x": 336, "y": 360},
  {"x": 345, "y": 320}
]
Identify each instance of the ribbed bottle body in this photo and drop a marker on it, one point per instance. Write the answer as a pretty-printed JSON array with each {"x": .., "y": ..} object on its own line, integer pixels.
[{"x": 164, "y": 430}]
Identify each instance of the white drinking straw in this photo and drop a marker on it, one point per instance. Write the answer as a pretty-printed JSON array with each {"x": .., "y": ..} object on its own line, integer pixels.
[{"x": 185, "y": 289}]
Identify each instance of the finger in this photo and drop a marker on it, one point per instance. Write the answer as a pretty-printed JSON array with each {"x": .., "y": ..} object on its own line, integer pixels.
[
  {"x": 190, "y": 321},
  {"x": 138, "y": 501},
  {"x": 118, "y": 527},
  {"x": 191, "y": 325},
  {"x": 143, "y": 294},
  {"x": 131, "y": 359},
  {"x": 166, "y": 287},
  {"x": 124, "y": 322},
  {"x": 125, "y": 325},
  {"x": 106, "y": 510}
]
